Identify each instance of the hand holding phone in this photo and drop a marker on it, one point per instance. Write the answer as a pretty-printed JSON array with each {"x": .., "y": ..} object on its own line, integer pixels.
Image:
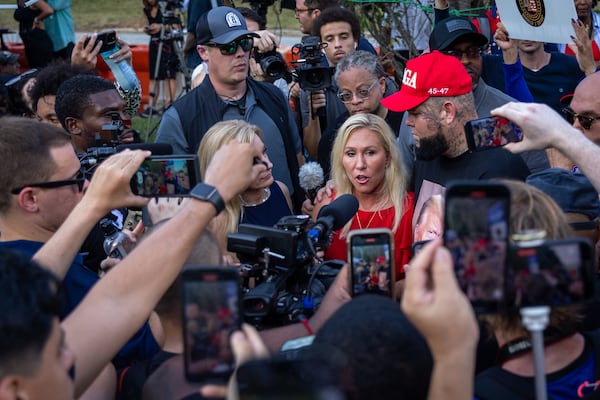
[
  {"x": 490, "y": 132},
  {"x": 371, "y": 259}
]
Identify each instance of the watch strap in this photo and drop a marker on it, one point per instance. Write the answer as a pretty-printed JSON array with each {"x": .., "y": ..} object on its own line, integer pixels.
[{"x": 206, "y": 192}]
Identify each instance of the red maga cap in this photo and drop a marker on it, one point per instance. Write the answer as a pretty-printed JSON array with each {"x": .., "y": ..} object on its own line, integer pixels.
[{"x": 429, "y": 75}]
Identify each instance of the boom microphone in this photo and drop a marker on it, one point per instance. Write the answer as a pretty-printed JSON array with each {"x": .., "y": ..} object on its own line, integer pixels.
[
  {"x": 334, "y": 216},
  {"x": 311, "y": 179},
  {"x": 157, "y": 149}
]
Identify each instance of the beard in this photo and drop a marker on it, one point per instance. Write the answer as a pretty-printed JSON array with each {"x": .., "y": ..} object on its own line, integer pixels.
[{"x": 431, "y": 147}]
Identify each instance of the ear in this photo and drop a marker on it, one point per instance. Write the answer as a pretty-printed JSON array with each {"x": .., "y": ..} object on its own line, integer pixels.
[
  {"x": 27, "y": 200},
  {"x": 202, "y": 52},
  {"x": 73, "y": 126},
  {"x": 9, "y": 388},
  {"x": 316, "y": 12},
  {"x": 449, "y": 112}
]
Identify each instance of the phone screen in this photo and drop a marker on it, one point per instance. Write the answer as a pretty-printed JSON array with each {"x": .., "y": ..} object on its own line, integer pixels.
[
  {"x": 210, "y": 315},
  {"x": 476, "y": 233},
  {"x": 371, "y": 261},
  {"x": 166, "y": 176},
  {"x": 487, "y": 133},
  {"x": 551, "y": 273}
]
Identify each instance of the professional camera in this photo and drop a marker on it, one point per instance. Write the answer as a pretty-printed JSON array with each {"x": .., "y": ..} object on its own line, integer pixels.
[
  {"x": 311, "y": 74},
  {"x": 272, "y": 63},
  {"x": 283, "y": 279},
  {"x": 104, "y": 147}
]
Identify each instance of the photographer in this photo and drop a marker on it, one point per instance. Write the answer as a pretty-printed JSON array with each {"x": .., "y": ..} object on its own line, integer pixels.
[{"x": 338, "y": 30}]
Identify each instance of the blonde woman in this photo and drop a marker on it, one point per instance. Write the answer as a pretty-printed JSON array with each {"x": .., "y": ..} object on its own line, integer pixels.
[
  {"x": 265, "y": 201},
  {"x": 365, "y": 162}
]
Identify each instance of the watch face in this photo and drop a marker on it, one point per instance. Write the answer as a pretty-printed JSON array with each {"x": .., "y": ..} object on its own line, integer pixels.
[{"x": 209, "y": 193}]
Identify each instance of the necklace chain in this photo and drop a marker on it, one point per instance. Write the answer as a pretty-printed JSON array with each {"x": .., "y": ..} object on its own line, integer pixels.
[
  {"x": 370, "y": 220},
  {"x": 266, "y": 195}
]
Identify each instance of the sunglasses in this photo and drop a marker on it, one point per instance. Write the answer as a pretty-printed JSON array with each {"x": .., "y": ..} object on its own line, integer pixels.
[
  {"x": 79, "y": 181},
  {"x": 227, "y": 49},
  {"x": 584, "y": 120},
  {"x": 471, "y": 52},
  {"x": 362, "y": 93}
]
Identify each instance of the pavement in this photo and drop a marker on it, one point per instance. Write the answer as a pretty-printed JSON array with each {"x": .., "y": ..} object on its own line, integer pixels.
[{"x": 287, "y": 38}]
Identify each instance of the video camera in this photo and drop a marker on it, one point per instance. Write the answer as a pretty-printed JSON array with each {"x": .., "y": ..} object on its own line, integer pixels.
[
  {"x": 283, "y": 278},
  {"x": 311, "y": 74},
  {"x": 272, "y": 63}
]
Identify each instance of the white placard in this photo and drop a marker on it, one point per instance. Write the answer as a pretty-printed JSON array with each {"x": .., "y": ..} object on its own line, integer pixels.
[{"x": 540, "y": 20}]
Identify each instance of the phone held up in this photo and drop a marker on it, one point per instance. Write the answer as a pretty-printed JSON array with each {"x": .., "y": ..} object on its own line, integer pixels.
[
  {"x": 166, "y": 176},
  {"x": 210, "y": 314},
  {"x": 476, "y": 233},
  {"x": 371, "y": 258},
  {"x": 108, "y": 38},
  {"x": 551, "y": 272},
  {"x": 490, "y": 132}
]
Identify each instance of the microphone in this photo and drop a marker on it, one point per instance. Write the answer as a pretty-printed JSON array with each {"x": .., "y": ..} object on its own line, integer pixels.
[
  {"x": 157, "y": 149},
  {"x": 333, "y": 217},
  {"x": 311, "y": 179}
]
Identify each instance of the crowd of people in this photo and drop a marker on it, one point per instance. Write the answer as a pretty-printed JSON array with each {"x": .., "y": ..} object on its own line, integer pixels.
[{"x": 76, "y": 323}]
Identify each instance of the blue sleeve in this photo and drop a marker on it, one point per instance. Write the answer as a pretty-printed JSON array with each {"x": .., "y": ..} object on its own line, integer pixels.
[
  {"x": 440, "y": 14},
  {"x": 170, "y": 131},
  {"x": 514, "y": 80}
]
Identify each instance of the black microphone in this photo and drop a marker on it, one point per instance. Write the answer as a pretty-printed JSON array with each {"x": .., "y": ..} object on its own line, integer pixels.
[
  {"x": 311, "y": 179},
  {"x": 333, "y": 217},
  {"x": 157, "y": 149}
]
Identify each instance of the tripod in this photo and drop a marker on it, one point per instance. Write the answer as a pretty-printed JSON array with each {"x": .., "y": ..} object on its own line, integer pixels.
[{"x": 175, "y": 37}]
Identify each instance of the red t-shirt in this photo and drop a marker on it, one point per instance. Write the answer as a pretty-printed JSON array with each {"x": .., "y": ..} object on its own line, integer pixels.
[{"x": 403, "y": 236}]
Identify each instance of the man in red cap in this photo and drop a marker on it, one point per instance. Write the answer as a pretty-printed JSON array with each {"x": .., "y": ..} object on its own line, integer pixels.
[{"x": 437, "y": 94}]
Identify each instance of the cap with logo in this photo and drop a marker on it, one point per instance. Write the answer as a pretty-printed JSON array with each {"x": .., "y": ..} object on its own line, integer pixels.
[
  {"x": 6, "y": 57},
  {"x": 450, "y": 30},
  {"x": 429, "y": 75},
  {"x": 221, "y": 25}
]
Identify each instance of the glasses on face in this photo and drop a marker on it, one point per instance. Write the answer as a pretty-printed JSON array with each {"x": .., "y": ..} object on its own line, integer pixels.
[
  {"x": 297, "y": 11},
  {"x": 362, "y": 93},
  {"x": 230, "y": 48},
  {"x": 584, "y": 120},
  {"x": 471, "y": 52},
  {"x": 79, "y": 180}
]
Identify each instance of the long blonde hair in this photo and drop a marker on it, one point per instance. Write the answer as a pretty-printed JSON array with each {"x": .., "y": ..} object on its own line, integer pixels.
[
  {"x": 218, "y": 135},
  {"x": 396, "y": 177}
]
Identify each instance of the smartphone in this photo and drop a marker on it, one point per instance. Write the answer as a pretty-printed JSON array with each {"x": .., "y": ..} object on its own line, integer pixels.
[
  {"x": 552, "y": 273},
  {"x": 490, "y": 132},
  {"x": 417, "y": 246},
  {"x": 371, "y": 258},
  {"x": 476, "y": 229},
  {"x": 296, "y": 379},
  {"x": 166, "y": 176},
  {"x": 109, "y": 40},
  {"x": 210, "y": 314}
]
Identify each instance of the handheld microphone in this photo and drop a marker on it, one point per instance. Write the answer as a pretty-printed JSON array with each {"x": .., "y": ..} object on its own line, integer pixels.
[
  {"x": 311, "y": 179},
  {"x": 333, "y": 217},
  {"x": 157, "y": 149}
]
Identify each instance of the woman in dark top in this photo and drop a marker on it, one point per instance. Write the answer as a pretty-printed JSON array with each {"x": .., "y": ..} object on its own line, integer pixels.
[
  {"x": 264, "y": 202},
  {"x": 38, "y": 45}
]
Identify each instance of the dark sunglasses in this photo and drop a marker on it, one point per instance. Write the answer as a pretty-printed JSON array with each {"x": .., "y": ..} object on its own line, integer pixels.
[
  {"x": 18, "y": 78},
  {"x": 230, "y": 48},
  {"x": 79, "y": 181},
  {"x": 471, "y": 52},
  {"x": 584, "y": 120}
]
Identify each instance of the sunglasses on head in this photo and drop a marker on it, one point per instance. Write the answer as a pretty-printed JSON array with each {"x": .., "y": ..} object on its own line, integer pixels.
[
  {"x": 79, "y": 180},
  {"x": 584, "y": 120},
  {"x": 230, "y": 48}
]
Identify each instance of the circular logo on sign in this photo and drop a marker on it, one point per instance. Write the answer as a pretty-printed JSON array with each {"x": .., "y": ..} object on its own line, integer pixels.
[{"x": 532, "y": 11}]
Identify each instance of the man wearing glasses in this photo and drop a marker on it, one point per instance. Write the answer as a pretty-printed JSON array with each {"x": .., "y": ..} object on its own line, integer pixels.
[{"x": 224, "y": 43}]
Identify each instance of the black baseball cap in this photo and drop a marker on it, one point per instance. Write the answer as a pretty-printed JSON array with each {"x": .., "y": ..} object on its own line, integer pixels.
[
  {"x": 221, "y": 25},
  {"x": 451, "y": 29}
]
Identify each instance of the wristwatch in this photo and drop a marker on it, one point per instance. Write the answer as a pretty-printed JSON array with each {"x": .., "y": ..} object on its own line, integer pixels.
[{"x": 205, "y": 192}]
